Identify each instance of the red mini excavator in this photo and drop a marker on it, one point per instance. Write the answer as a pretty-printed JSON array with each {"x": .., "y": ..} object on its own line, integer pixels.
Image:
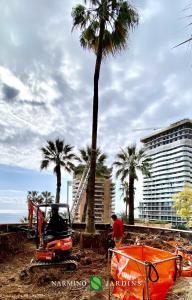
[{"x": 53, "y": 236}]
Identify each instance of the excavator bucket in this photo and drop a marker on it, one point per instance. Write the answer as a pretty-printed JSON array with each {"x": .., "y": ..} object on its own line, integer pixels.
[{"x": 142, "y": 272}]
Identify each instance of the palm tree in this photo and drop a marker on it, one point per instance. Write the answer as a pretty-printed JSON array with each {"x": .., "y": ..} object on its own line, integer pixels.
[
  {"x": 102, "y": 171},
  {"x": 128, "y": 162},
  {"x": 47, "y": 197},
  {"x": 44, "y": 197},
  {"x": 105, "y": 26},
  {"x": 61, "y": 155},
  {"x": 35, "y": 197}
]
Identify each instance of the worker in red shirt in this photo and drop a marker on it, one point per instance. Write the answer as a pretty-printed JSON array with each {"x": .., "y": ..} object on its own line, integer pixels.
[{"x": 117, "y": 234}]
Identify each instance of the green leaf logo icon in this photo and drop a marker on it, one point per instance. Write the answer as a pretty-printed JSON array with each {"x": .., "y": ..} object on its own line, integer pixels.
[{"x": 96, "y": 283}]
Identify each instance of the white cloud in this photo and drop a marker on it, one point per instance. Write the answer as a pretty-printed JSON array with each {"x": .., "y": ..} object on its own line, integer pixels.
[
  {"x": 69, "y": 69},
  {"x": 10, "y": 79},
  {"x": 147, "y": 85},
  {"x": 152, "y": 9}
]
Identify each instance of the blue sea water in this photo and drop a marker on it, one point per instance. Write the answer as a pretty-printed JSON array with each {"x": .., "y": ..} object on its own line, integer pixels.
[{"x": 12, "y": 218}]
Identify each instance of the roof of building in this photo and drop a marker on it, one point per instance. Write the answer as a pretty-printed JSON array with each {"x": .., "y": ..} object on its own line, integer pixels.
[{"x": 170, "y": 127}]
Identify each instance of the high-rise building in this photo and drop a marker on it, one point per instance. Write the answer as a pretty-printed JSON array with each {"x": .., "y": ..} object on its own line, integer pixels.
[
  {"x": 104, "y": 200},
  {"x": 170, "y": 150}
]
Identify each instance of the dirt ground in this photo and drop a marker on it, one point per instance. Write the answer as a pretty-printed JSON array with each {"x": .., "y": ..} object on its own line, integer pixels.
[
  {"x": 52, "y": 283},
  {"x": 182, "y": 290}
]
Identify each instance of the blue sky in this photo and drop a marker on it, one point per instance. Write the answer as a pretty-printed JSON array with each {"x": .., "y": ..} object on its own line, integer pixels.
[
  {"x": 46, "y": 86},
  {"x": 15, "y": 182}
]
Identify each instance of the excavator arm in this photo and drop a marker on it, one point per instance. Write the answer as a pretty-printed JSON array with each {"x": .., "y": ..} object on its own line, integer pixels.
[{"x": 34, "y": 209}]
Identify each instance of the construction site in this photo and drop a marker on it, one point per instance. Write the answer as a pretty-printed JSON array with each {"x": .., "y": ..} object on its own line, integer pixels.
[
  {"x": 117, "y": 129},
  {"x": 17, "y": 251},
  {"x": 52, "y": 256}
]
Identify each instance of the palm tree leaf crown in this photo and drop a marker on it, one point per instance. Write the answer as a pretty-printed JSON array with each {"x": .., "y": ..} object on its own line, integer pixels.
[
  {"x": 85, "y": 155},
  {"x": 58, "y": 153},
  {"x": 119, "y": 18},
  {"x": 129, "y": 160},
  {"x": 47, "y": 196}
]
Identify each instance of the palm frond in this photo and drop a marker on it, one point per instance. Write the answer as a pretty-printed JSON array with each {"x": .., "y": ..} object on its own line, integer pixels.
[
  {"x": 119, "y": 173},
  {"x": 44, "y": 164},
  {"x": 79, "y": 16},
  {"x": 85, "y": 154},
  {"x": 51, "y": 145},
  {"x": 101, "y": 158},
  {"x": 70, "y": 165},
  {"x": 119, "y": 17},
  {"x": 117, "y": 163},
  {"x": 78, "y": 170},
  {"x": 69, "y": 156},
  {"x": 67, "y": 148},
  {"x": 59, "y": 144}
]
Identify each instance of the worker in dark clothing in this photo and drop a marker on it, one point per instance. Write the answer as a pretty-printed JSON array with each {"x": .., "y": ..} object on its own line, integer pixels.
[
  {"x": 56, "y": 223},
  {"x": 117, "y": 234}
]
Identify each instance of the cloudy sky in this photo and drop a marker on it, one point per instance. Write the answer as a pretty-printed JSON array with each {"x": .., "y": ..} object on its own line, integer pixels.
[{"x": 46, "y": 83}]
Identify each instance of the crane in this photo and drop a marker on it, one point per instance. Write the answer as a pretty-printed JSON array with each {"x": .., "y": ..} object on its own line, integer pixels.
[{"x": 145, "y": 129}]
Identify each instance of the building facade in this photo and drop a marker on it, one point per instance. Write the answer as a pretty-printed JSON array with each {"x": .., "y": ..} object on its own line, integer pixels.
[
  {"x": 170, "y": 150},
  {"x": 104, "y": 200}
]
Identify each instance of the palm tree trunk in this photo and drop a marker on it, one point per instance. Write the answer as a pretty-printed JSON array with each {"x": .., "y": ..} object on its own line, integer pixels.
[
  {"x": 90, "y": 227},
  {"x": 126, "y": 209},
  {"x": 58, "y": 190},
  {"x": 84, "y": 212},
  {"x": 85, "y": 207},
  {"x": 131, "y": 200},
  {"x": 127, "y": 202}
]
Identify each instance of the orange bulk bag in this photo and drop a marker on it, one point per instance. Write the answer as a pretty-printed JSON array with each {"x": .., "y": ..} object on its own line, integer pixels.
[{"x": 142, "y": 272}]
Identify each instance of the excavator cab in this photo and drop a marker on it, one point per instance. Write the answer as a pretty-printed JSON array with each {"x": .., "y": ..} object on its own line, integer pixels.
[
  {"x": 58, "y": 225},
  {"x": 55, "y": 224}
]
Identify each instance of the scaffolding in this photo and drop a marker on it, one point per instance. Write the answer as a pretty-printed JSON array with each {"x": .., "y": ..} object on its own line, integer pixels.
[{"x": 81, "y": 188}]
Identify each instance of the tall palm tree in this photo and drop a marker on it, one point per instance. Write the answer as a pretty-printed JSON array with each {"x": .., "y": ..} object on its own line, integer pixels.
[
  {"x": 60, "y": 155},
  {"x": 128, "y": 162},
  {"x": 102, "y": 170},
  {"x": 105, "y": 25}
]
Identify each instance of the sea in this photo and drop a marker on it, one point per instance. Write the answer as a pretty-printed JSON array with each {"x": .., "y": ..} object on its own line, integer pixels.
[{"x": 12, "y": 217}]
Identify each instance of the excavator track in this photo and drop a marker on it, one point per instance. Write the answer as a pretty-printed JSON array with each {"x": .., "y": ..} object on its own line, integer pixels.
[{"x": 67, "y": 265}]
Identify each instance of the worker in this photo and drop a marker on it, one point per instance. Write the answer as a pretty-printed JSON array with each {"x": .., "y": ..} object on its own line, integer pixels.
[
  {"x": 117, "y": 233},
  {"x": 56, "y": 223},
  {"x": 109, "y": 242}
]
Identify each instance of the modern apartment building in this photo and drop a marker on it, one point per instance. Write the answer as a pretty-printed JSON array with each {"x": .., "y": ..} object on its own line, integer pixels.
[
  {"x": 104, "y": 200},
  {"x": 170, "y": 150}
]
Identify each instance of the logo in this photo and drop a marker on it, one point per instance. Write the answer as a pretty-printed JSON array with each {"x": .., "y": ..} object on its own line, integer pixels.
[{"x": 96, "y": 283}]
